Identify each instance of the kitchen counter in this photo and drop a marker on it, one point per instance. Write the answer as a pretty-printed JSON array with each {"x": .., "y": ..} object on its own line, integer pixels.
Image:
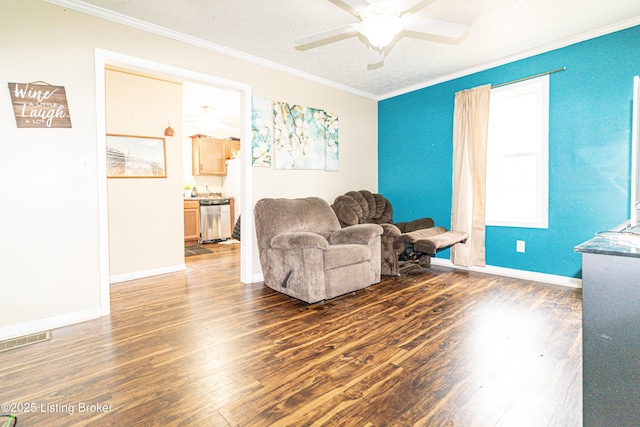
[
  {"x": 612, "y": 243},
  {"x": 201, "y": 197}
]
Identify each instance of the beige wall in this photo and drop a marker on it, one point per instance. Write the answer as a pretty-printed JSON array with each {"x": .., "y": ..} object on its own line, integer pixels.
[
  {"x": 146, "y": 231},
  {"x": 49, "y": 220}
]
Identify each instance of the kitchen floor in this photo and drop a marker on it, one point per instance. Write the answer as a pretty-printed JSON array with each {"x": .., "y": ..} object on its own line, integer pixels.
[
  {"x": 195, "y": 250},
  {"x": 191, "y": 250}
]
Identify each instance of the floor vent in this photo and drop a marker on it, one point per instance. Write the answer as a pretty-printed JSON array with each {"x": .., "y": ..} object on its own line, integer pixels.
[{"x": 12, "y": 343}]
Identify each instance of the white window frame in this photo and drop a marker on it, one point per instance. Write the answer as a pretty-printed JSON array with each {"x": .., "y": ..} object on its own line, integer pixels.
[
  {"x": 634, "y": 203},
  {"x": 539, "y": 218}
]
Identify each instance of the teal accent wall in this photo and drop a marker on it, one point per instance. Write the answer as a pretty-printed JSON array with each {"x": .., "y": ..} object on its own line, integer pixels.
[{"x": 589, "y": 150}]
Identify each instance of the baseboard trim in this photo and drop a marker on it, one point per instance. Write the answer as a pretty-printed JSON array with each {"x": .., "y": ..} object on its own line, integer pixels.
[
  {"x": 40, "y": 325},
  {"x": 553, "y": 279},
  {"x": 117, "y": 278}
]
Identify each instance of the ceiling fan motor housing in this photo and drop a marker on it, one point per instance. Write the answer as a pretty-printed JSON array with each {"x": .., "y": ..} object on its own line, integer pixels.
[{"x": 380, "y": 23}]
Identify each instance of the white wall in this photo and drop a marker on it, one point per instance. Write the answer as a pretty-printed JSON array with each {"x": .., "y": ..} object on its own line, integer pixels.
[{"x": 49, "y": 227}]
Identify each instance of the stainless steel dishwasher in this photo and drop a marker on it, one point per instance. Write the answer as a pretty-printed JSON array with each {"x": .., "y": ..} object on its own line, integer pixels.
[{"x": 215, "y": 220}]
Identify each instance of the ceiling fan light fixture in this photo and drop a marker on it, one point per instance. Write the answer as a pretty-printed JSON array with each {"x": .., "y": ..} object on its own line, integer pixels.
[
  {"x": 380, "y": 30},
  {"x": 380, "y": 24}
]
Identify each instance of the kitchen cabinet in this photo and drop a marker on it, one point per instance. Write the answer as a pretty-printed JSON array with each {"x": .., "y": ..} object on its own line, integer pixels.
[
  {"x": 191, "y": 221},
  {"x": 209, "y": 155}
]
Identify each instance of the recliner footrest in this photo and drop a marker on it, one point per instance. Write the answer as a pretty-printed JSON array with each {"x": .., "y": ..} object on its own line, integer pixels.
[
  {"x": 413, "y": 236},
  {"x": 431, "y": 244}
]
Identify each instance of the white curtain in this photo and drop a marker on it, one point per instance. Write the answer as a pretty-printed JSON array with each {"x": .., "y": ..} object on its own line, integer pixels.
[{"x": 470, "y": 130}]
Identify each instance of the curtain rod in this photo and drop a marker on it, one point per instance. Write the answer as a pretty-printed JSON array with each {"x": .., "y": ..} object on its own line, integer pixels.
[{"x": 529, "y": 78}]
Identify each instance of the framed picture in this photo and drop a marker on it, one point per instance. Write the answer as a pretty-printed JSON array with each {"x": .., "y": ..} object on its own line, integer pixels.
[{"x": 136, "y": 157}]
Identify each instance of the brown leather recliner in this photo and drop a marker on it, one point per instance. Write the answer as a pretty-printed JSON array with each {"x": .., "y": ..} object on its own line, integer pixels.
[{"x": 419, "y": 237}]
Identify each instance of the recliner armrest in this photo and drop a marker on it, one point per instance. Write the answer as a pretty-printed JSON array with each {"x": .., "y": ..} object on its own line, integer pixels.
[
  {"x": 359, "y": 233},
  {"x": 390, "y": 230},
  {"x": 299, "y": 239}
]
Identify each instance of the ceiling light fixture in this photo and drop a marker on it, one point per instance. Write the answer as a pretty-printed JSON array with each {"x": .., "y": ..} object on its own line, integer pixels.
[{"x": 380, "y": 24}]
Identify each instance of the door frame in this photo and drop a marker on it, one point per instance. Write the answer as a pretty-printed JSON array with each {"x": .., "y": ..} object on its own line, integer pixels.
[{"x": 104, "y": 58}]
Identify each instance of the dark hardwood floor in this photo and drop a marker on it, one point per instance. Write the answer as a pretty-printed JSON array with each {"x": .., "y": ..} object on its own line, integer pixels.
[{"x": 442, "y": 348}]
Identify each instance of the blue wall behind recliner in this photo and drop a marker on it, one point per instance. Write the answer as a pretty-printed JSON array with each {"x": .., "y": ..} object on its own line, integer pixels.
[{"x": 589, "y": 150}]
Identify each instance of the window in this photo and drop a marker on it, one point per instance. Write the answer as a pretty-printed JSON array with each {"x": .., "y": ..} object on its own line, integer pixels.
[{"x": 517, "y": 155}]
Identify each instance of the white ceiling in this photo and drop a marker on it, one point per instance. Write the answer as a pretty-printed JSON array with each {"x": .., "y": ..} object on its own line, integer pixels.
[
  {"x": 210, "y": 110},
  {"x": 500, "y": 31}
]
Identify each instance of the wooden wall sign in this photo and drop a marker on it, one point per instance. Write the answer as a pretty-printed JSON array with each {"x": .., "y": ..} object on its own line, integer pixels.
[{"x": 40, "y": 105}]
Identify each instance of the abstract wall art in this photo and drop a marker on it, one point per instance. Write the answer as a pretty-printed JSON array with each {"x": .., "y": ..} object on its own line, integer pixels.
[
  {"x": 304, "y": 138},
  {"x": 293, "y": 136},
  {"x": 262, "y": 131}
]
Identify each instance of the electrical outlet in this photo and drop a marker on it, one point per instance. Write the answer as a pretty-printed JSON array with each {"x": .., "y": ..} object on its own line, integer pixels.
[{"x": 520, "y": 246}]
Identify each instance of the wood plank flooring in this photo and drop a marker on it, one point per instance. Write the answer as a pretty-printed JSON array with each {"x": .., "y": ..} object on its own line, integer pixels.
[{"x": 198, "y": 348}]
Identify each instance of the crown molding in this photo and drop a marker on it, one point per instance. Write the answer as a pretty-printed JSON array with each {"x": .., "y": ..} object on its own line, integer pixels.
[
  {"x": 100, "y": 12},
  {"x": 103, "y": 13},
  {"x": 519, "y": 56}
]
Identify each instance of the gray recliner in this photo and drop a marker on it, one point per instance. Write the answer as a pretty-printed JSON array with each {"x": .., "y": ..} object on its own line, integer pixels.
[
  {"x": 418, "y": 239},
  {"x": 306, "y": 254}
]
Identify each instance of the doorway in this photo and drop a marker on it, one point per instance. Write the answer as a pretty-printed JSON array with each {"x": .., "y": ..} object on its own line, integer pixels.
[
  {"x": 213, "y": 112},
  {"x": 104, "y": 58}
]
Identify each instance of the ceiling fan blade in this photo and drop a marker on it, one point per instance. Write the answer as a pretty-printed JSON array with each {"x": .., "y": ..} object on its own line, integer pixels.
[
  {"x": 345, "y": 30},
  {"x": 406, "y": 4},
  {"x": 356, "y": 5},
  {"x": 359, "y": 5},
  {"x": 435, "y": 27}
]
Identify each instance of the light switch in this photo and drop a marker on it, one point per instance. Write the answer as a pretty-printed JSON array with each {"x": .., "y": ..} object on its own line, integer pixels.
[{"x": 84, "y": 162}]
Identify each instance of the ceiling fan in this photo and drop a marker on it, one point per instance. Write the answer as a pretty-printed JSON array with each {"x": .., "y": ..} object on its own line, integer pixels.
[{"x": 380, "y": 22}]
